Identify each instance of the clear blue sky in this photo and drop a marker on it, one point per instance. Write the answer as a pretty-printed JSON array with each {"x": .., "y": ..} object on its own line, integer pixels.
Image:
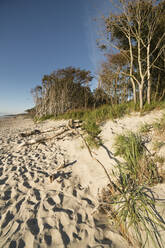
[{"x": 40, "y": 36}]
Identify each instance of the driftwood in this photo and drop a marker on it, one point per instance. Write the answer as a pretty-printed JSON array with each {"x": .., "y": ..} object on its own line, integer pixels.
[
  {"x": 34, "y": 132},
  {"x": 75, "y": 123},
  {"x": 43, "y": 139},
  {"x": 37, "y": 131},
  {"x": 67, "y": 129}
]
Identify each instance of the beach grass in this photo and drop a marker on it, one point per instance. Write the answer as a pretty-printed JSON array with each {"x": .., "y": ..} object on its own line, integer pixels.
[{"x": 131, "y": 203}]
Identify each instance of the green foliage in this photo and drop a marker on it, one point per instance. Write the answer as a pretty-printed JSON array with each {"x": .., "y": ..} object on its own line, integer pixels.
[
  {"x": 129, "y": 201},
  {"x": 93, "y": 142},
  {"x": 91, "y": 127},
  {"x": 129, "y": 146},
  {"x": 138, "y": 165},
  {"x": 73, "y": 114},
  {"x": 93, "y": 117},
  {"x": 154, "y": 105},
  {"x": 133, "y": 210},
  {"x": 63, "y": 90},
  {"x": 145, "y": 128},
  {"x": 43, "y": 118},
  {"x": 31, "y": 112}
]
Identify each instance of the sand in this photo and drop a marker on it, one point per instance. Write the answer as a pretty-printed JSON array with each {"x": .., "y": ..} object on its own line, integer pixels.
[{"x": 35, "y": 212}]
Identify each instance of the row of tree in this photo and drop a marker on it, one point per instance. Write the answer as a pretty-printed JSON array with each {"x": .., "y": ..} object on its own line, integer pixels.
[
  {"x": 134, "y": 67},
  {"x": 64, "y": 90}
]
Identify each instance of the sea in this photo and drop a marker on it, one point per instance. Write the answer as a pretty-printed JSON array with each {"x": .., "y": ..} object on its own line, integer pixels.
[{"x": 4, "y": 115}]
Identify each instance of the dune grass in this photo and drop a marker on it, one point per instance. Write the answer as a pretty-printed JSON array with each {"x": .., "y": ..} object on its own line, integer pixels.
[
  {"x": 92, "y": 118},
  {"x": 139, "y": 164},
  {"x": 131, "y": 203}
]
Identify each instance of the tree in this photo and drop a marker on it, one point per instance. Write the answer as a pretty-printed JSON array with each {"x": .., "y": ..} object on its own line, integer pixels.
[
  {"x": 113, "y": 81},
  {"x": 63, "y": 90},
  {"x": 100, "y": 97},
  {"x": 132, "y": 33}
]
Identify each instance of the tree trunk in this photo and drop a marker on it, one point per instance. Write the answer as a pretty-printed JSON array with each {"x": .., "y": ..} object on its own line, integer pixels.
[
  {"x": 131, "y": 67},
  {"x": 141, "y": 96},
  {"x": 148, "y": 75},
  {"x": 149, "y": 92},
  {"x": 134, "y": 90},
  {"x": 157, "y": 88}
]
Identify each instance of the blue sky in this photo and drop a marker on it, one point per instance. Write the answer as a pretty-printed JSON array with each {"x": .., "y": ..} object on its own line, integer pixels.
[{"x": 40, "y": 36}]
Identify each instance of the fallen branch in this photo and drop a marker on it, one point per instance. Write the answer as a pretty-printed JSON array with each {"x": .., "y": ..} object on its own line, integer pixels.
[
  {"x": 37, "y": 131},
  {"x": 43, "y": 139},
  {"x": 34, "y": 132}
]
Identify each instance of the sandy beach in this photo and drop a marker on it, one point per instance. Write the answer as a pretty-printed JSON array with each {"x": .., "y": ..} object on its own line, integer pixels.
[{"x": 37, "y": 212}]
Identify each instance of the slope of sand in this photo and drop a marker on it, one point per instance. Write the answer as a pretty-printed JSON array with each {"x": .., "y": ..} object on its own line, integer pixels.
[{"x": 37, "y": 213}]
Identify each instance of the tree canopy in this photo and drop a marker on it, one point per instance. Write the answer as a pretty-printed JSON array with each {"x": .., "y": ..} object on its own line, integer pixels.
[{"x": 63, "y": 90}]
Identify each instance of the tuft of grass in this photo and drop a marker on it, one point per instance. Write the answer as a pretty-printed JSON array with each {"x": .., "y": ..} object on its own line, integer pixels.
[
  {"x": 133, "y": 210},
  {"x": 129, "y": 202},
  {"x": 91, "y": 127},
  {"x": 129, "y": 145},
  {"x": 154, "y": 105},
  {"x": 145, "y": 128},
  {"x": 139, "y": 164}
]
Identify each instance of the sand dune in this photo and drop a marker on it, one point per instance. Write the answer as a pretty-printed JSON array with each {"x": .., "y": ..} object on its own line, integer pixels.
[{"x": 35, "y": 212}]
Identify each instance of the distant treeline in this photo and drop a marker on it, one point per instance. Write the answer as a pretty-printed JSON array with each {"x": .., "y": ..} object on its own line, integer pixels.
[{"x": 134, "y": 70}]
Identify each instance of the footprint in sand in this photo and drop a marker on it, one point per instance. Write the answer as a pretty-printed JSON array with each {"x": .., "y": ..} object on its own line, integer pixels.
[
  {"x": 67, "y": 211},
  {"x": 21, "y": 243},
  {"x": 48, "y": 239},
  {"x": 27, "y": 185},
  {"x": 64, "y": 236},
  {"x": 7, "y": 195},
  {"x": 51, "y": 201},
  {"x": 8, "y": 218},
  {"x": 1, "y": 170},
  {"x": 13, "y": 244},
  {"x": 2, "y": 181},
  {"x": 33, "y": 226},
  {"x": 37, "y": 194},
  {"x": 18, "y": 205}
]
